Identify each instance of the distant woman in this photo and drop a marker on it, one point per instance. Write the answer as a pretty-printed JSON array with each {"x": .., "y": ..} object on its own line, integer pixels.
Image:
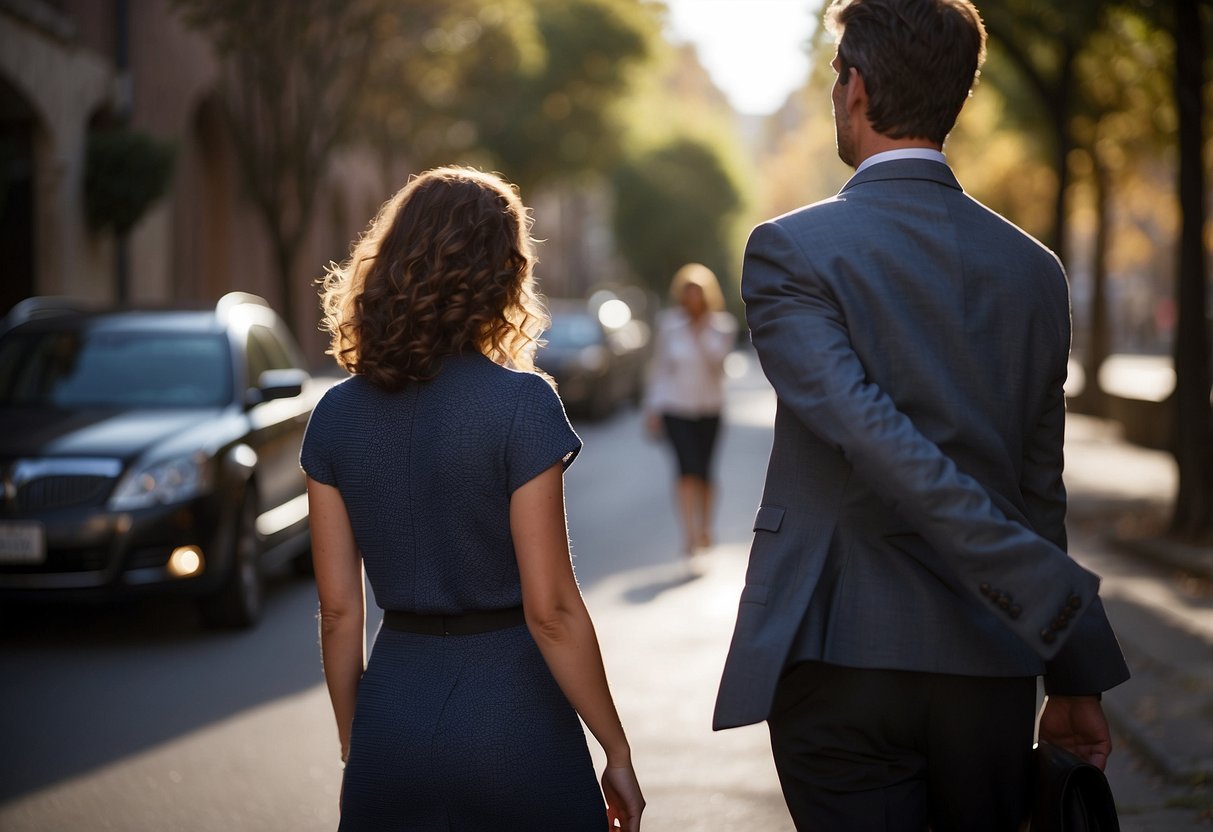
[
  {"x": 439, "y": 466},
  {"x": 686, "y": 392}
]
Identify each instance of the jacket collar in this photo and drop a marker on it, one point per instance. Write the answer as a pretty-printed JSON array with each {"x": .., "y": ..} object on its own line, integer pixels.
[{"x": 905, "y": 169}]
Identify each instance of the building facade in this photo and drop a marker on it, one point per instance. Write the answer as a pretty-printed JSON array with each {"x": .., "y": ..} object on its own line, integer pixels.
[{"x": 67, "y": 66}]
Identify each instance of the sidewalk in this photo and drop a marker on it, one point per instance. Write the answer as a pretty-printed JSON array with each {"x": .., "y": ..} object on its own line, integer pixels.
[
  {"x": 664, "y": 633},
  {"x": 1159, "y": 597}
]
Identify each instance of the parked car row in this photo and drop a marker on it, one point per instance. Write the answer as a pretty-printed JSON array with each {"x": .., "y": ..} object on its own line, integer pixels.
[
  {"x": 151, "y": 451},
  {"x": 155, "y": 451}
]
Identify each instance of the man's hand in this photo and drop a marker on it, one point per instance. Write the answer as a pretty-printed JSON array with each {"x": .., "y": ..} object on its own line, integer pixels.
[{"x": 1077, "y": 724}]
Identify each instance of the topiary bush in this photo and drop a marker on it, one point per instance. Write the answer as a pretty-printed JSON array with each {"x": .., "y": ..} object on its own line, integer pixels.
[{"x": 125, "y": 171}]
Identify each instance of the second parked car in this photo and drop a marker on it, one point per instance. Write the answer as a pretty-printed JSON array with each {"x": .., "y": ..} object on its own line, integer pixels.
[{"x": 597, "y": 353}]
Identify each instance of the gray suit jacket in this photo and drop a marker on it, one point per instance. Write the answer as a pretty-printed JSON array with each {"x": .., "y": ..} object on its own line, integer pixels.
[{"x": 913, "y": 514}]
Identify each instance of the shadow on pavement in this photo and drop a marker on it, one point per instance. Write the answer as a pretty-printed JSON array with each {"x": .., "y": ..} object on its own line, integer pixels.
[
  {"x": 88, "y": 685},
  {"x": 645, "y": 593}
]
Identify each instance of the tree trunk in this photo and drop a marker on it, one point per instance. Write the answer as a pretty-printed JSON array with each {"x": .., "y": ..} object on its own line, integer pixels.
[
  {"x": 1098, "y": 341},
  {"x": 284, "y": 264},
  {"x": 1193, "y": 430},
  {"x": 122, "y": 267},
  {"x": 1060, "y": 108}
]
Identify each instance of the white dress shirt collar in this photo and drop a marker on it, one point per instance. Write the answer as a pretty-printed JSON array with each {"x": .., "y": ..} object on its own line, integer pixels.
[{"x": 927, "y": 153}]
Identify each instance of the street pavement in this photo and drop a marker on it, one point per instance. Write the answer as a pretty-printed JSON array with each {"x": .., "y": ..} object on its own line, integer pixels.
[{"x": 135, "y": 720}]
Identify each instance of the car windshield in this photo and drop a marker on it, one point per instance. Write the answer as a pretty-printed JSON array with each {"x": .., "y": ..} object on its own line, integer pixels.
[
  {"x": 79, "y": 368},
  {"x": 573, "y": 331}
]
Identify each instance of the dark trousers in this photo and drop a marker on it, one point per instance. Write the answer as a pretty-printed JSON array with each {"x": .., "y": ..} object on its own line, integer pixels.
[
  {"x": 694, "y": 442},
  {"x": 888, "y": 750}
]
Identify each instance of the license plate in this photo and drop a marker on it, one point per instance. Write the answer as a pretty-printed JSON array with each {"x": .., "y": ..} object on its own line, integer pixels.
[{"x": 22, "y": 543}]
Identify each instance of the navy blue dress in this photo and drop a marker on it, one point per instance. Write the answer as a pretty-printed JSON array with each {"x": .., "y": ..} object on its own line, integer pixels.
[{"x": 452, "y": 732}]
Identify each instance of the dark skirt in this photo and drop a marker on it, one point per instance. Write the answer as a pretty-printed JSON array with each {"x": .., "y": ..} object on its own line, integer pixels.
[
  {"x": 466, "y": 733},
  {"x": 694, "y": 442}
]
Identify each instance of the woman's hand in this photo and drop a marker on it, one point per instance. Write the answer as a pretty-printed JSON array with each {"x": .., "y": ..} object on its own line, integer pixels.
[
  {"x": 653, "y": 424},
  {"x": 623, "y": 797}
]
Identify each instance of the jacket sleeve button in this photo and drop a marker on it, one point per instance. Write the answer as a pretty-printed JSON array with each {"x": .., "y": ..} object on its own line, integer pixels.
[
  {"x": 1074, "y": 603},
  {"x": 985, "y": 589},
  {"x": 1014, "y": 611},
  {"x": 1047, "y": 636}
]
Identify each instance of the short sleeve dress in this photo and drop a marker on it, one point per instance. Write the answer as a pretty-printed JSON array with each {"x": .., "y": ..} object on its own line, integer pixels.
[{"x": 458, "y": 732}]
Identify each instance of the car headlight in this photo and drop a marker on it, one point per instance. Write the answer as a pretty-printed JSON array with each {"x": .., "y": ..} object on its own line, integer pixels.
[{"x": 169, "y": 481}]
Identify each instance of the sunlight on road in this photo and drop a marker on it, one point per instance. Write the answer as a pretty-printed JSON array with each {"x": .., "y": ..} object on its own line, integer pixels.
[{"x": 752, "y": 408}]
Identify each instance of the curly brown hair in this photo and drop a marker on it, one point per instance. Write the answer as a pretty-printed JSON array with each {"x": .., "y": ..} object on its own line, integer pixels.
[{"x": 445, "y": 268}]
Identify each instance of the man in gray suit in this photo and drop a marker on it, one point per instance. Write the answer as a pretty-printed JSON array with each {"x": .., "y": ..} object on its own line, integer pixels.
[{"x": 908, "y": 579}]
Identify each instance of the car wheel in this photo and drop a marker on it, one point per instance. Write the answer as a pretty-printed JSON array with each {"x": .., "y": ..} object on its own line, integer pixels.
[{"x": 237, "y": 602}]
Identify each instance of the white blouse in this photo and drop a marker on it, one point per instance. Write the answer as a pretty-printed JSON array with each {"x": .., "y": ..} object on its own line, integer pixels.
[{"x": 687, "y": 374}]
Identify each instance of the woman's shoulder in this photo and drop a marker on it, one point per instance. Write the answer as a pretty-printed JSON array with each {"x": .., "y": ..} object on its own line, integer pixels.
[
  {"x": 481, "y": 369},
  {"x": 338, "y": 392},
  {"x": 347, "y": 391},
  {"x": 492, "y": 386},
  {"x": 350, "y": 397}
]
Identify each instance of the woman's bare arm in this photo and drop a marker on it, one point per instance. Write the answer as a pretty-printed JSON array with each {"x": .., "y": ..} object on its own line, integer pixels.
[
  {"x": 342, "y": 602},
  {"x": 561, "y": 626}
]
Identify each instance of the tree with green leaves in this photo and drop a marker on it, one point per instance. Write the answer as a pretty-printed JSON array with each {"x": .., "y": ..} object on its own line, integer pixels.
[
  {"x": 437, "y": 68},
  {"x": 561, "y": 121},
  {"x": 1043, "y": 40},
  {"x": 1046, "y": 41},
  {"x": 524, "y": 86},
  {"x": 1123, "y": 72},
  {"x": 529, "y": 87},
  {"x": 676, "y": 204}
]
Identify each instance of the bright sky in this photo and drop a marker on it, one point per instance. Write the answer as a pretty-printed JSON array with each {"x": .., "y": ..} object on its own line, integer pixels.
[{"x": 753, "y": 49}]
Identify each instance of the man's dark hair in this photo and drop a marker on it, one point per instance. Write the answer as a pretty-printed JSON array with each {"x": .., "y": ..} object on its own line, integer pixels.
[{"x": 918, "y": 60}]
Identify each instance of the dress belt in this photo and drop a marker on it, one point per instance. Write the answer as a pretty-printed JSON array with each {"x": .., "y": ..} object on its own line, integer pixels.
[{"x": 464, "y": 624}]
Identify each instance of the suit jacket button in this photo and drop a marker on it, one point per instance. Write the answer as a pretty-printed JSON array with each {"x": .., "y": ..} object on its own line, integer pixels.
[
  {"x": 1004, "y": 602},
  {"x": 985, "y": 589},
  {"x": 1060, "y": 623},
  {"x": 1074, "y": 603},
  {"x": 1047, "y": 636},
  {"x": 1014, "y": 611}
]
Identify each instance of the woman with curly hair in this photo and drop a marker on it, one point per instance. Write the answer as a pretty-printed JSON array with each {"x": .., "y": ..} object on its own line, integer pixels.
[{"x": 438, "y": 465}]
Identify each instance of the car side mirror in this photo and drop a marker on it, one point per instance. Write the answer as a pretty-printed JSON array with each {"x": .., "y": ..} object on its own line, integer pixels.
[{"x": 278, "y": 384}]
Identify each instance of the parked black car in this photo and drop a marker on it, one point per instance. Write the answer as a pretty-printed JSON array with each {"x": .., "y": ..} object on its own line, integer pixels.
[
  {"x": 598, "y": 354},
  {"x": 151, "y": 451}
]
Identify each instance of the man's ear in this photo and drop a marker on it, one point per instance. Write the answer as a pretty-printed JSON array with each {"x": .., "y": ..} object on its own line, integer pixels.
[{"x": 857, "y": 91}]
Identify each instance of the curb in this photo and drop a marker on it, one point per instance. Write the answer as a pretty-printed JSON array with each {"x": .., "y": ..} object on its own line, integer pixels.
[{"x": 1166, "y": 765}]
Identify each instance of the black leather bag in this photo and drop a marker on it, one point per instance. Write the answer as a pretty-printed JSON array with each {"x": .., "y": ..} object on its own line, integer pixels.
[{"x": 1071, "y": 795}]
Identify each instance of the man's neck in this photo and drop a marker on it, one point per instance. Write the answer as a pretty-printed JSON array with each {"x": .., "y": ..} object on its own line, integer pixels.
[
  {"x": 874, "y": 143},
  {"x": 929, "y": 154}
]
